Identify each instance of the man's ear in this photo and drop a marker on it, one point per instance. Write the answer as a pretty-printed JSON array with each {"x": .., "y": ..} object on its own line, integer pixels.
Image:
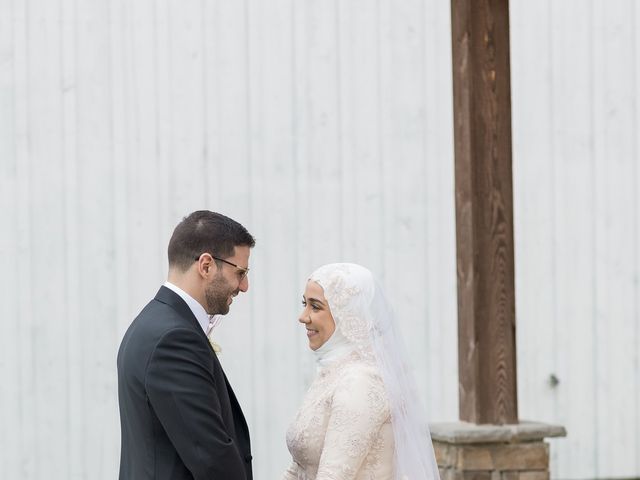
[{"x": 204, "y": 265}]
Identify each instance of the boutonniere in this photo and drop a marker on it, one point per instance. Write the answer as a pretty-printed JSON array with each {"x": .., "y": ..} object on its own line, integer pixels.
[{"x": 216, "y": 348}]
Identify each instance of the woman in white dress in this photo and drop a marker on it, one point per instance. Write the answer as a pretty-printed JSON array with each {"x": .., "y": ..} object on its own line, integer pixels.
[{"x": 361, "y": 416}]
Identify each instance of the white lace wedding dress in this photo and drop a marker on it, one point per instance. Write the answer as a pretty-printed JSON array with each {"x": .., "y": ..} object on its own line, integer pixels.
[{"x": 343, "y": 429}]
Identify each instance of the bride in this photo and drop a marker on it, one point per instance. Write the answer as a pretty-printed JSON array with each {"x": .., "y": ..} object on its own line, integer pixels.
[{"x": 361, "y": 417}]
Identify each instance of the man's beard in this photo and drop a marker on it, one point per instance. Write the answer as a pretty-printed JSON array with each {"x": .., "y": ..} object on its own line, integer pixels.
[{"x": 217, "y": 295}]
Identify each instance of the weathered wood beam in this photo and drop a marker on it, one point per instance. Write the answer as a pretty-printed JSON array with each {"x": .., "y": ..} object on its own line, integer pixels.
[{"x": 484, "y": 211}]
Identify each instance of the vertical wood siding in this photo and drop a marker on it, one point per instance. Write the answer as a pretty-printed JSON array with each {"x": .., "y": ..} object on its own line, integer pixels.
[
  {"x": 575, "y": 91},
  {"x": 326, "y": 128}
]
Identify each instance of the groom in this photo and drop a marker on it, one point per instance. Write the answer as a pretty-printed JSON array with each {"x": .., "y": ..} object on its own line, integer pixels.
[{"x": 179, "y": 416}]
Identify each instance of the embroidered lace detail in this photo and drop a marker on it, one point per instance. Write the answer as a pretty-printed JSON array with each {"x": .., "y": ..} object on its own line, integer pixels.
[
  {"x": 343, "y": 429},
  {"x": 354, "y": 329},
  {"x": 337, "y": 290}
]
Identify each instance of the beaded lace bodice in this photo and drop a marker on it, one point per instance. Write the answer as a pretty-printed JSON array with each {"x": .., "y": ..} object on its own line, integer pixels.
[{"x": 343, "y": 429}]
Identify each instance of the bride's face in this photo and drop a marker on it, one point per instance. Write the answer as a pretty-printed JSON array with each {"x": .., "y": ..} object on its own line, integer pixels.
[{"x": 316, "y": 316}]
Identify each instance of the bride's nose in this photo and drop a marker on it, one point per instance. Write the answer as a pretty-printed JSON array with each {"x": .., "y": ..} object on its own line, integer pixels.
[{"x": 304, "y": 317}]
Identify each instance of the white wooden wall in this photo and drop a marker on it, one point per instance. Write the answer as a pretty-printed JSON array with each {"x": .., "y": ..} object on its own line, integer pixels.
[
  {"x": 324, "y": 127},
  {"x": 575, "y": 70}
]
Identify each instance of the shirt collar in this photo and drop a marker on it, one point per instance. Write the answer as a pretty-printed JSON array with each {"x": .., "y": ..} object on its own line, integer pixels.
[{"x": 198, "y": 310}]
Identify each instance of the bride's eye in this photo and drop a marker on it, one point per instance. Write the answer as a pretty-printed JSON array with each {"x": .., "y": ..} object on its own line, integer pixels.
[{"x": 304, "y": 304}]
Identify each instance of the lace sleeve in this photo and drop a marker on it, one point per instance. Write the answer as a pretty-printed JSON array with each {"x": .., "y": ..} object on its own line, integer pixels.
[
  {"x": 358, "y": 410},
  {"x": 292, "y": 472}
]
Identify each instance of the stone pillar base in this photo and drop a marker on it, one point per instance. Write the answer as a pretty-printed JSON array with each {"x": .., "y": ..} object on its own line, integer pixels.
[{"x": 465, "y": 451}]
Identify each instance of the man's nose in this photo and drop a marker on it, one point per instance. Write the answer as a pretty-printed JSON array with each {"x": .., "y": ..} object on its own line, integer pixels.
[{"x": 244, "y": 284}]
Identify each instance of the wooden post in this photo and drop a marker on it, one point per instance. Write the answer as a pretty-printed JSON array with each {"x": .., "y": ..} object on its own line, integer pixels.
[{"x": 484, "y": 211}]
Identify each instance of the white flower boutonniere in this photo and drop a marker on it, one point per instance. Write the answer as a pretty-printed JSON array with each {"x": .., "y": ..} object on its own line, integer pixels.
[{"x": 216, "y": 348}]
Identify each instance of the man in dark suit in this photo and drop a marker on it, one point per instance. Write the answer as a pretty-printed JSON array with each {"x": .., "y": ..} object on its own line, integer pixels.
[{"x": 179, "y": 416}]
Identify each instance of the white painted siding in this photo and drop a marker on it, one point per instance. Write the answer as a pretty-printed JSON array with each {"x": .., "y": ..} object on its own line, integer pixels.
[
  {"x": 324, "y": 127},
  {"x": 575, "y": 108}
]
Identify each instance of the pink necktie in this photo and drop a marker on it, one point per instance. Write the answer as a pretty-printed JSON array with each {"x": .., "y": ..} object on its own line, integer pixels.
[{"x": 213, "y": 321}]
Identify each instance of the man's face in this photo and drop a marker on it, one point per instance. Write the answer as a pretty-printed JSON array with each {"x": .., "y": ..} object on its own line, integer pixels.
[{"x": 226, "y": 282}]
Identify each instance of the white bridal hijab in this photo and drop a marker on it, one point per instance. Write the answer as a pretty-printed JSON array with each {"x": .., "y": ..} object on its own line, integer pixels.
[{"x": 364, "y": 323}]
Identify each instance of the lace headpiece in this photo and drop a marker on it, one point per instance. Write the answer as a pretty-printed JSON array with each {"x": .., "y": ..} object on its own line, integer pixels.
[{"x": 349, "y": 289}]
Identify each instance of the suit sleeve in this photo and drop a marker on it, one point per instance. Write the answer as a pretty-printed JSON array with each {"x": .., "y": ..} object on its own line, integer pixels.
[{"x": 182, "y": 392}]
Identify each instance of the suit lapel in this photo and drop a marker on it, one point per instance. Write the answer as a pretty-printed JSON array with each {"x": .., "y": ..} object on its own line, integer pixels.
[{"x": 171, "y": 298}]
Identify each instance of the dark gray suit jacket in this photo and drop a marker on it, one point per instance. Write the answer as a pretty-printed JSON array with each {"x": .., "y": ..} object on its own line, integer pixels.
[{"x": 179, "y": 417}]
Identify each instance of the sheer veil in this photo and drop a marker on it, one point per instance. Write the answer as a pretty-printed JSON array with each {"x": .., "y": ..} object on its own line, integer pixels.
[{"x": 363, "y": 315}]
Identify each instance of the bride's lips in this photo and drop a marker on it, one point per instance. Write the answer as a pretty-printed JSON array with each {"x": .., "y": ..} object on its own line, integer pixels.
[{"x": 311, "y": 333}]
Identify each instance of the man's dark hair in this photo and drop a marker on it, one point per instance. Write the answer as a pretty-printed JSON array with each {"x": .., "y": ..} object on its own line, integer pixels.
[{"x": 206, "y": 232}]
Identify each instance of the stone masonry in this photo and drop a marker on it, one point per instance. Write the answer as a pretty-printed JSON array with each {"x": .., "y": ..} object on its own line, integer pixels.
[{"x": 466, "y": 451}]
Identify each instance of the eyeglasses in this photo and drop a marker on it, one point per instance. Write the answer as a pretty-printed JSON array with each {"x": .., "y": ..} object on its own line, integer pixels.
[{"x": 243, "y": 272}]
